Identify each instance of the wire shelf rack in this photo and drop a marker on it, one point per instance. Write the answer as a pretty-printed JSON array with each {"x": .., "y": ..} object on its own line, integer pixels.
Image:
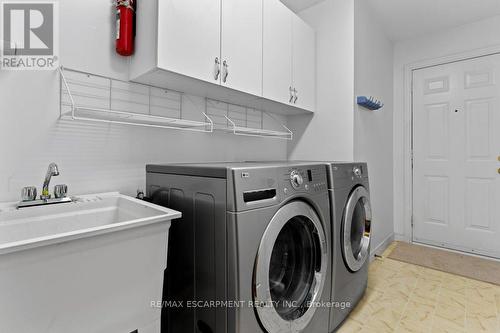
[
  {"x": 94, "y": 98},
  {"x": 244, "y": 121}
]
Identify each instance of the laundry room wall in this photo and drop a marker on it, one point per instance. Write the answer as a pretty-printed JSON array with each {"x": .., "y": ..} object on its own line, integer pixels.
[
  {"x": 469, "y": 37},
  {"x": 328, "y": 135},
  {"x": 95, "y": 157},
  {"x": 372, "y": 129}
]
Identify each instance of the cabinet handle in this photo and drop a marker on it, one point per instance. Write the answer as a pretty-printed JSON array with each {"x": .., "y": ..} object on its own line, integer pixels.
[
  {"x": 296, "y": 95},
  {"x": 291, "y": 95},
  {"x": 225, "y": 71},
  {"x": 216, "y": 69}
]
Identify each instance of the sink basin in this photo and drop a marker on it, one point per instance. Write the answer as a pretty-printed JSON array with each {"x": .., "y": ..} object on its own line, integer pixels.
[
  {"x": 86, "y": 216},
  {"x": 93, "y": 265}
]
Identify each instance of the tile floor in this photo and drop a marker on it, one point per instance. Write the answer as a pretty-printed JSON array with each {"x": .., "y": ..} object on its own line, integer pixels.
[{"x": 406, "y": 298}]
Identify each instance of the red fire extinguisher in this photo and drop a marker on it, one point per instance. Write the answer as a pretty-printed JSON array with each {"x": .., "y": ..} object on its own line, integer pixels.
[{"x": 125, "y": 26}]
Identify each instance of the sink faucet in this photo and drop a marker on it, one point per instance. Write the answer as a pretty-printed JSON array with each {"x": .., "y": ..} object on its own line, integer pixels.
[
  {"x": 28, "y": 194},
  {"x": 53, "y": 170}
]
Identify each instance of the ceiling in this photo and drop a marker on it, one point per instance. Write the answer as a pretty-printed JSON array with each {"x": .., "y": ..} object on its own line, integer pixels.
[
  {"x": 298, "y": 5},
  {"x": 404, "y": 19}
]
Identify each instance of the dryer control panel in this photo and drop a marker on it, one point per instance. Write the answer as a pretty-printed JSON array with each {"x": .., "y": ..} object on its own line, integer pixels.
[{"x": 347, "y": 174}]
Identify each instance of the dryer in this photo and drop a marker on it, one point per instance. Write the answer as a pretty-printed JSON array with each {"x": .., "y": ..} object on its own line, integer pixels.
[
  {"x": 351, "y": 224},
  {"x": 252, "y": 250}
]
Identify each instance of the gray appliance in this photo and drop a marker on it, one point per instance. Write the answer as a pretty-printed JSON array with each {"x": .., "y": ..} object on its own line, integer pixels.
[
  {"x": 351, "y": 221},
  {"x": 255, "y": 234}
]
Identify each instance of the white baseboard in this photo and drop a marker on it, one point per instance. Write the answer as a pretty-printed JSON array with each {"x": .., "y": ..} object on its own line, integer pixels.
[
  {"x": 402, "y": 238},
  {"x": 382, "y": 246}
]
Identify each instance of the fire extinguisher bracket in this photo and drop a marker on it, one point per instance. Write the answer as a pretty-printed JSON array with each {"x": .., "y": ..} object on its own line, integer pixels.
[{"x": 125, "y": 3}]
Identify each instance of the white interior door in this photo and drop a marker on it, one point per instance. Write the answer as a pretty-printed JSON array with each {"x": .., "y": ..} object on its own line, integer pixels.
[
  {"x": 456, "y": 172},
  {"x": 242, "y": 45},
  {"x": 277, "y": 65},
  {"x": 189, "y": 37},
  {"x": 304, "y": 63}
]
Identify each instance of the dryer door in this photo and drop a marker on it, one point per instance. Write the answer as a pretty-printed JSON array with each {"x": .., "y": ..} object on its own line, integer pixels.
[
  {"x": 356, "y": 229},
  {"x": 290, "y": 269}
]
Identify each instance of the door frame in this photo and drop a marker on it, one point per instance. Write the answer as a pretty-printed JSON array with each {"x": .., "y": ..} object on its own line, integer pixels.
[{"x": 406, "y": 138}]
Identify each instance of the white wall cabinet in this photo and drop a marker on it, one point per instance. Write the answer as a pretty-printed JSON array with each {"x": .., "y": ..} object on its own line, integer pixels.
[
  {"x": 277, "y": 70},
  {"x": 241, "y": 51},
  {"x": 289, "y": 69},
  {"x": 247, "y": 52},
  {"x": 303, "y": 64},
  {"x": 189, "y": 36}
]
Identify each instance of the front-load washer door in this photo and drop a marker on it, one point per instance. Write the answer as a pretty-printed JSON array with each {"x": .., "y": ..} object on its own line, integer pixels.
[
  {"x": 290, "y": 269},
  {"x": 356, "y": 229}
]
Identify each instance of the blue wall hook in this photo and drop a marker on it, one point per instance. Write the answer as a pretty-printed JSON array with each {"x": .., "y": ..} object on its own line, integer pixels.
[{"x": 369, "y": 102}]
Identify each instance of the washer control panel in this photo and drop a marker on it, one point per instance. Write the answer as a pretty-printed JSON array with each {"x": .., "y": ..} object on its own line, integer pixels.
[{"x": 310, "y": 179}]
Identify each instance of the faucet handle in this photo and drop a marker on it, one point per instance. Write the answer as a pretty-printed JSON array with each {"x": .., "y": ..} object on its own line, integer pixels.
[
  {"x": 28, "y": 193},
  {"x": 60, "y": 191}
]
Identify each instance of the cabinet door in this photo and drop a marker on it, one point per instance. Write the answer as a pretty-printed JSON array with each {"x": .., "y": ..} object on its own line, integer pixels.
[
  {"x": 277, "y": 64},
  {"x": 304, "y": 63},
  {"x": 189, "y": 37},
  {"x": 242, "y": 45}
]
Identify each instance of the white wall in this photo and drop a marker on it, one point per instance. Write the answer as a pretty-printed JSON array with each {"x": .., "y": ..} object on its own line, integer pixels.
[
  {"x": 353, "y": 57},
  {"x": 95, "y": 158},
  {"x": 465, "y": 38},
  {"x": 328, "y": 135},
  {"x": 373, "y": 129}
]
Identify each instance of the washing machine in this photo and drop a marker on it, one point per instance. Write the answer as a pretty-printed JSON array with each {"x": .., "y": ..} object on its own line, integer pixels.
[
  {"x": 252, "y": 250},
  {"x": 351, "y": 223}
]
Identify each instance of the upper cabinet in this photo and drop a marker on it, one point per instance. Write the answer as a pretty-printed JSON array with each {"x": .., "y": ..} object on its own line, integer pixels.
[
  {"x": 241, "y": 51},
  {"x": 289, "y": 64},
  {"x": 303, "y": 64},
  {"x": 277, "y": 70},
  {"x": 255, "y": 53},
  {"x": 189, "y": 36}
]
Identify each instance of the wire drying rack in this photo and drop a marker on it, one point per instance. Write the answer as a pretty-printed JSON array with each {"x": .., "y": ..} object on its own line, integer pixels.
[
  {"x": 244, "y": 121},
  {"x": 94, "y": 98}
]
